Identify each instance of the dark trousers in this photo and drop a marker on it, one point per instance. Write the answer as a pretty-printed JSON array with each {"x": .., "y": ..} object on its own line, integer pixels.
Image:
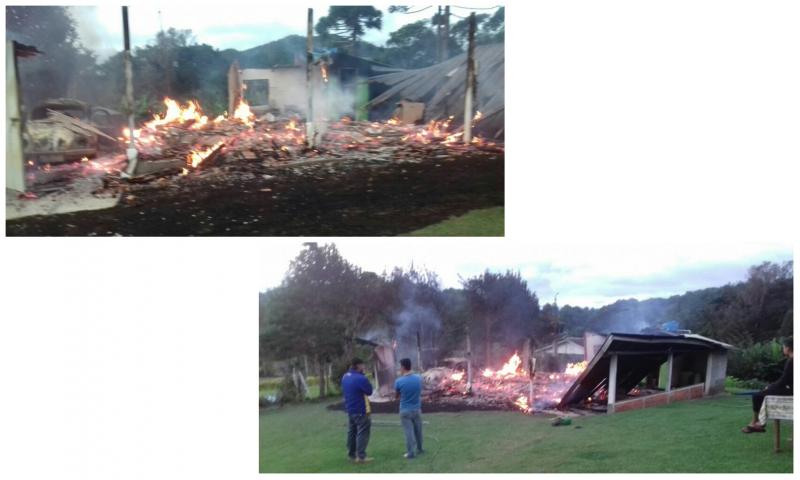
[
  {"x": 758, "y": 398},
  {"x": 358, "y": 435}
]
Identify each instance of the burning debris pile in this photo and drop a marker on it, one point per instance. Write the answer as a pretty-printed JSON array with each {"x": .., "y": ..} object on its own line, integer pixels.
[
  {"x": 184, "y": 132},
  {"x": 509, "y": 387},
  {"x": 186, "y": 158}
]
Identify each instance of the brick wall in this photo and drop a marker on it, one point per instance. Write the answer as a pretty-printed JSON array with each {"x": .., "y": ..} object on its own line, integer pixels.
[{"x": 676, "y": 395}]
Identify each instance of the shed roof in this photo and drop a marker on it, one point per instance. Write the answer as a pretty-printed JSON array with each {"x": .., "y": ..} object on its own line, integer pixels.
[{"x": 637, "y": 355}]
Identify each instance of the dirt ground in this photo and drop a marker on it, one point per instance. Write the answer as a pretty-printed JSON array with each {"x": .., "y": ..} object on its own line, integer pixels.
[{"x": 344, "y": 198}]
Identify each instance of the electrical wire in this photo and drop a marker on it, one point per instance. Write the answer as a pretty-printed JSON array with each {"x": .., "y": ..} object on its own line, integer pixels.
[
  {"x": 416, "y": 11},
  {"x": 476, "y": 8}
]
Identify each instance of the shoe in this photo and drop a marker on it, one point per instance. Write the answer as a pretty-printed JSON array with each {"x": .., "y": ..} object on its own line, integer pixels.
[
  {"x": 420, "y": 452},
  {"x": 405, "y": 455},
  {"x": 352, "y": 459},
  {"x": 365, "y": 460}
]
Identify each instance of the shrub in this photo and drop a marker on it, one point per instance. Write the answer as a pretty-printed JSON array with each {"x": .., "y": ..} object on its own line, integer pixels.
[
  {"x": 761, "y": 361},
  {"x": 733, "y": 382}
]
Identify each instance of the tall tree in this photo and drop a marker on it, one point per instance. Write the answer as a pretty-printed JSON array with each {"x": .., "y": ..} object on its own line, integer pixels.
[
  {"x": 63, "y": 67},
  {"x": 349, "y": 22},
  {"x": 504, "y": 308}
]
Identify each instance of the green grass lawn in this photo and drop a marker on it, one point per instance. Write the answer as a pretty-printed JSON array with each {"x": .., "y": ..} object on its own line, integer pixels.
[
  {"x": 695, "y": 436},
  {"x": 487, "y": 222}
]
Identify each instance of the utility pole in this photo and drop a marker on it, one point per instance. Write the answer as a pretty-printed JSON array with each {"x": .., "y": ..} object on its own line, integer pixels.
[
  {"x": 309, "y": 87},
  {"x": 446, "y": 40},
  {"x": 132, "y": 154},
  {"x": 439, "y": 49},
  {"x": 470, "y": 89},
  {"x": 15, "y": 167}
]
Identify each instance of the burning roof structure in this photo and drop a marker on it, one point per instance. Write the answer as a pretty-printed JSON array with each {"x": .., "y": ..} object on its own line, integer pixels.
[
  {"x": 635, "y": 371},
  {"x": 442, "y": 88}
]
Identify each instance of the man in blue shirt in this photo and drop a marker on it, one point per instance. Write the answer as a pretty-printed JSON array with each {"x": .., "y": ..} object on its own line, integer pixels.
[
  {"x": 409, "y": 388},
  {"x": 356, "y": 389}
]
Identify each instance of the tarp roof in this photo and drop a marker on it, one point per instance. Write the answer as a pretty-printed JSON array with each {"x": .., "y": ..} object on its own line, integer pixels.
[
  {"x": 637, "y": 355},
  {"x": 442, "y": 87}
]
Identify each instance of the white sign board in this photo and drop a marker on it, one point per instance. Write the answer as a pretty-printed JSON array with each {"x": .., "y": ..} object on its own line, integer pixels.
[{"x": 778, "y": 408}]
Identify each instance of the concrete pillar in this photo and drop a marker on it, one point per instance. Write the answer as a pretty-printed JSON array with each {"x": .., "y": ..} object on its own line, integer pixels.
[
  {"x": 709, "y": 368},
  {"x": 669, "y": 373},
  {"x": 15, "y": 168},
  {"x": 612, "y": 383}
]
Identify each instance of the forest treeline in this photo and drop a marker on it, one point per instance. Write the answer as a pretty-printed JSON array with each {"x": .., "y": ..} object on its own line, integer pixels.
[
  {"x": 173, "y": 64},
  {"x": 326, "y": 306}
]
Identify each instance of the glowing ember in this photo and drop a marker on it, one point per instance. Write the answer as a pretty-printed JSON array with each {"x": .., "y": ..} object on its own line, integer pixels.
[
  {"x": 575, "y": 368},
  {"x": 196, "y": 158},
  {"x": 457, "y": 376},
  {"x": 324, "y": 71}
]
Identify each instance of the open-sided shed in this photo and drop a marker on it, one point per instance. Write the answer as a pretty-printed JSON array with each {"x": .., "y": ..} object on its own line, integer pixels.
[{"x": 676, "y": 366}]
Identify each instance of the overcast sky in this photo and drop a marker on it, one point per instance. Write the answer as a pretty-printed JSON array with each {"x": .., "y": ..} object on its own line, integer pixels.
[
  {"x": 227, "y": 25},
  {"x": 582, "y": 275}
]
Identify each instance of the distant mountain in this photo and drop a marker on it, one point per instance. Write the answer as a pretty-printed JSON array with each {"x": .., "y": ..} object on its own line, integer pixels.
[
  {"x": 291, "y": 50},
  {"x": 740, "y": 314}
]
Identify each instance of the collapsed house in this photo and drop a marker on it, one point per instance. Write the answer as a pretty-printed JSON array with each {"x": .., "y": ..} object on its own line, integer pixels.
[
  {"x": 442, "y": 88},
  {"x": 337, "y": 77},
  {"x": 633, "y": 371}
]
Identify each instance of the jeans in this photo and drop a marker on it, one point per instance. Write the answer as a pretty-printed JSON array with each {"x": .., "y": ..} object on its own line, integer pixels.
[
  {"x": 412, "y": 425},
  {"x": 358, "y": 435}
]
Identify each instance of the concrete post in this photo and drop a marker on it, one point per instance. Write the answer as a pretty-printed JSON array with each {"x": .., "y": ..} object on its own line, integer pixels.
[
  {"x": 15, "y": 168},
  {"x": 469, "y": 363},
  {"x": 131, "y": 152},
  {"x": 309, "y": 84},
  {"x": 709, "y": 368},
  {"x": 612, "y": 383},
  {"x": 469, "y": 93},
  {"x": 669, "y": 371}
]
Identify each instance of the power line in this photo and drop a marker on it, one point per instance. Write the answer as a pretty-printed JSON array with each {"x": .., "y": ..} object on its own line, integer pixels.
[
  {"x": 476, "y": 8},
  {"x": 417, "y": 11}
]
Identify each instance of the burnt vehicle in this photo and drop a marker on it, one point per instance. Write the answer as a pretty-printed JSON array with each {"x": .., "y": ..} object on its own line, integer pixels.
[{"x": 65, "y": 129}]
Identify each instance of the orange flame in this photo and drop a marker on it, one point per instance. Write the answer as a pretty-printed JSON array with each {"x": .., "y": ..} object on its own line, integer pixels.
[
  {"x": 457, "y": 376},
  {"x": 522, "y": 403},
  {"x": 177, "y": 114},
  {"x": 243, "y": 113},
  {"x": 509, "y": 369},
  {"x": 196, "y": 158},
  {"x": 575, "y": 368}
]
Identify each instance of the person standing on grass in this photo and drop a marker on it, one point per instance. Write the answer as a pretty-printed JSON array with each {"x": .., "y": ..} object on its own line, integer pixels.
[
  {"x": 782, "y": 386},
  {"x": 409, "y": 388},
  {"x": 356, "y": 389}
]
